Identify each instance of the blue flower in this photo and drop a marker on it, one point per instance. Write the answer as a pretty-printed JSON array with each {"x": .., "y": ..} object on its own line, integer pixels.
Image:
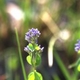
[
  {"x": 32, "y": 35},
  {"x": 77, "y": 46}
]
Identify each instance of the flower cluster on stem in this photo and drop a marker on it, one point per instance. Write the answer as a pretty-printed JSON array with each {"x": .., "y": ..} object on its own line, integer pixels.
[
  {"x": 32, "y": 38},
  {"x": 34, "y": 50}
]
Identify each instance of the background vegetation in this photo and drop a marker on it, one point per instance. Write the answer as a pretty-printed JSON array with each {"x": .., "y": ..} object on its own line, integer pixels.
[{"x": 51, "y": 17}]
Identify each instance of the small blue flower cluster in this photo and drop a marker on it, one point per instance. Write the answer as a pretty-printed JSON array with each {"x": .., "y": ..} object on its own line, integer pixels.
[
  {"x": 32, "y": 37},
  {"x": 77, "y": 46}
]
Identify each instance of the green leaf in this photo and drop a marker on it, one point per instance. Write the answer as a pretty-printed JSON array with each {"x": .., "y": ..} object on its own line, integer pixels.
[
  {"x": 38, "y": 59},
  {"x": 78, "y": 68},
  {"x": 38, "y": 76},
  {"x": 31, "y": 47},
  {"x": 31, "y": 76},
  {"x": 28, "y": 58},
  {"x": 35, "y": 76}
]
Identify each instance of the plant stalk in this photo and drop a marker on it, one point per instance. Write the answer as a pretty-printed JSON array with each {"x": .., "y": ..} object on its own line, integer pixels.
[{"x": 20, "y": 56}]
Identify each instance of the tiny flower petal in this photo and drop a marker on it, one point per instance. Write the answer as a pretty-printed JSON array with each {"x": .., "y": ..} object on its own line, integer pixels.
[
  {"x": 42, "y": 49},
  {"x": 26, "y": 49}
]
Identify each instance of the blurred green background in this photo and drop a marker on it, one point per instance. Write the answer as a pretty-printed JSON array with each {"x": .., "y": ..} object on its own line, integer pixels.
[{"x": 59, "y": 24}]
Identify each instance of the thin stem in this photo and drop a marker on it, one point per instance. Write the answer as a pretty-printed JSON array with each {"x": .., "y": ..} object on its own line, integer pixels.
[
  {"x": 21, "y": 60},
  {"x": 62, "y": 67}
]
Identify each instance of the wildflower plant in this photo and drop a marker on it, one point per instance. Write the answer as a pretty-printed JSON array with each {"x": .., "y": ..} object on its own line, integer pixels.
[
  {"x": 34, "y": 50},
  {"x": 77, "y": 49},
  {"x": 77, "y": 63}
]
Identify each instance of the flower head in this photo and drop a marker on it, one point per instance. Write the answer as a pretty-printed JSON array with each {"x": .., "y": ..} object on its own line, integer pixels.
[
  {"x": 32, "y": 35},
  {"x": 77, "y": 46}
]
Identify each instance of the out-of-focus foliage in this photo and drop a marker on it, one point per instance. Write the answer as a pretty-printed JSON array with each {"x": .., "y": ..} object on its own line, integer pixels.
[{"x": 63, "y": 14}]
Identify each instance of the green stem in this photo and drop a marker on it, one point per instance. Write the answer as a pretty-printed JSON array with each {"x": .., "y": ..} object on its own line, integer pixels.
[
  {"x": 56, "y": 77},
  {"x": 62, "y": 67},
  {"x": 21, "y": 60},
  {"x": 75, "y": 75}
]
